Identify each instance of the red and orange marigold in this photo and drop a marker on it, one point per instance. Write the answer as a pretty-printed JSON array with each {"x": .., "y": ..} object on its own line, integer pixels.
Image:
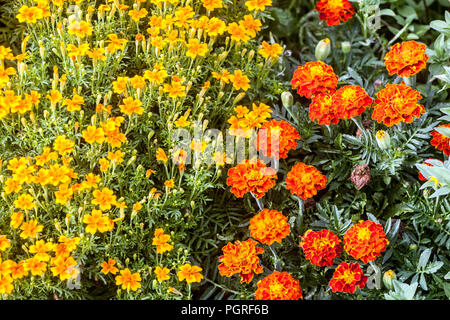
[
  {"x": 365, "y": 241},
  {"x": 346, "y": 277},
  {"x": 278, "y": 286},
  {"x": 351, "y": 101},
  {"x": 335, "y": 11},
  {"x": 305, "y": 181},
  {"x": 397, "y": 103},
  {"x": 241, "y": 258},
  {"x": 313, "y": 78},
  {"x": 441, "y": 142},
  {"x": 323, "y": 109},
  {"x": 406, "y": 58},
  {"x": 284, "y": 138},
  {"x": 269, "y": 226},
  {"x": 321, "y": 247},
  {"x": 251, "y": 176}
]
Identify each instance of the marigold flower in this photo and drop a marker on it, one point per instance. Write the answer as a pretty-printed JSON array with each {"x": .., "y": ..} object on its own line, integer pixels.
[
  {"x": 5, "y": 243},
  {"x": 210, "y": 5},
  {"x": 251, "y": 176},
  {"x": 162, "y": 274},
  {"x": 441, "y": 142},
  {"x": 63, "y": 145},
  {"x": 270, "y": 50},
  {"x": 304, "y": 180},
  {"x": 241, "y": 258},
  {"x": 104, "y": 198},
  {"x": 16, "y": 219},
  {"x": 251, "y": 25},
  {"x": 321, "y": 247},
  {"x": 63, "y": 267},
  {"x": 397, "y": 103},
  {"x": 6, "y": 284},
  {"x": 195, "y": 48},
  {"x": 406, "y": 58},
  {"x": 237, "y": 32},
  {"x": 29, "y": 14},
  {"x": 93, "y": 134},
  {"x": 351, "y": 101},
  {"x": 335, "y": 11},
  {"x": 131, "y": 106},
  {"x": 324, "y": 109},
  {"x": 160, "y": 240},
  {"x": 239, "y": 80},
  {"x": 161, "y": 155},
  {"x": 128, "y": 280},
  {"x": 41, "y": 249},
  {"x": 258, "y": 5},
  {"x": 269, "y": 226},
  {"x": 109, "y": 267},
  {"x": 24, "y": 202},
  {"x": 175, "y": 89},
  {"x": 80, "y": 29},
  {"x": 190, "y": 273},
  {"x": 313, "y": 78},
  {"x": 35, "y": 266},
  {"x": 365, "y": 241},
  {"x": 115, "y": 43},
  {"x": 346, "y": 277},
  {"x": 278, "y": 286},
  {"x": 276, "y": 138},
  {"x": 96, "y": 221},
  {"x": 30, "y": 229}
]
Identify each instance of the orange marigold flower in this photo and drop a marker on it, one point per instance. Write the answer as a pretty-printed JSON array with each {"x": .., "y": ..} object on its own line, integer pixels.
[
  {"x": 251, "y": 176},
  {"x": 397, "y": 103},
  {"x": 104, "y": 198},
  {"x": 365, "y": 241},
  {"x": 190, "y": 273},
  {"x": 278, "y": 286},
  {"x": 64, "y": 267},
  {"x": 162, "y": 274},
  {"x": 323, "y": 109},
  {"x": 441, "y": 142},
  {"x": 161, "y": 241},
  {"x": 241, "y": 258},
  {"x": 5, "y": 243},
  {"x": 109, "y": 267},
  {"x": 313, "y": 78},
  {"x": 305, "y": 181},
  {"x": 269, "y": 226},
  {"x": 128, "y": 280},
  {"x": 406, "y": 58},
  {"x": 335, "y": 11},
  {"x": 6, "y": 284},
  {"x": 351, "y": 101},
  {"x": 30, "y": 229},
  {"x": 346, "y": 277},
  {"x": 276, "y": 138},
  {"x": 321, "y": 247}
]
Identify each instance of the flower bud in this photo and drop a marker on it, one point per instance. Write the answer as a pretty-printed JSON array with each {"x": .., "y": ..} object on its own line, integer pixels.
[
  {"x": 388, "y": 277},
  {"x": 383, "y": 139},
  {"x": 287, "y": 99},
  {"x": 346, "y": 46},
  {"x": 323, "y": 49}
]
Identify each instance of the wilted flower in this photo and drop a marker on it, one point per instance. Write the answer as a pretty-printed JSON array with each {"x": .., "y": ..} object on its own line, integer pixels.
[{"x": 360, "y": 175}]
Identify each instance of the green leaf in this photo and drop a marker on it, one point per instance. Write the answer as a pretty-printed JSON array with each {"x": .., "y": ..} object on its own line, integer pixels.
[{"x": 424, "y": 257}]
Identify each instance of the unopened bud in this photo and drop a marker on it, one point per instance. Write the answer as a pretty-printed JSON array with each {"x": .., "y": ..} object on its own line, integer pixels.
[
  {"x": 388, "y": 277},
  {"x": 346, "y": 46},
  {"x": 323, "y": 49},
  {"x": 287, "y": 99},
  {"x": 383, "y": 139}
]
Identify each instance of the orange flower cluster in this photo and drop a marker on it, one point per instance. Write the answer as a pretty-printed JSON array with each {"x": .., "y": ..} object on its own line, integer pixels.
[
  {"x": 241, "y": 258},
  {"x": 365, "y": 241},
  {"x": 321, "y": 247},
  {"x": 278, "y": 286},
  {"x": 269, "y": 226},
  {"x": 284, "y": 138},
  {"x": 441, "y": 142},
  {"x": 347, "y": 277},
  {"x": 397, "y": 103},
  {"x": 406, "y": 58},
  {"x": 313, "y": 78},
  {"x": 246, "y": 120},
  {"x": 323, "y": 109},
  {"x": 251, "y": 176},
  {"x": 305, "y": 181},
  {"x": 351, "y": 101},
  {"x": 335, "y": 11}
]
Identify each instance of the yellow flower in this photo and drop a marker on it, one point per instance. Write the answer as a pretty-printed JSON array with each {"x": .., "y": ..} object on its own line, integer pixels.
[
  {"x": 104, "y": 198},
  {"x": 196, "y": 49},
  {"x": 182, "y": 122},
  {"x": 93, "y": 134},
  {"x": 80, "y": 29},
  {"x": 175, "y": 89},
  {"x": 96, "y": 221},
  {"x": 29, "y": 14},
  {"x": 162, "y": 274},
  {"x": 54, "y": 96},
  {"x": 116, "y": 157},
  {"x": 210, "y": 5},
  {"x": 5, "y": 243},
  {"x": 270, "y": 50},
  {"x": 128, "y": 280},
  {"x": 251, "y": 25},
  {"x": 25, "y": 202},
  {"x": 30, "y": 229},
  {"x": 136, "y": 15},
  {"x": 258, "y": 5},
  {"x": 109, "y": 267},
  {"x": 169, "y": 183},
  {"x": 63, "y": 145},
  {"x": 190, "y": 273},
  {"x": 238, "y": 32},
  {"x": 240, "y": 81},
  {"x": 115, "y": 43},
  {"x": 74, "y": 104},
  {"x": 131, "y": 106}
]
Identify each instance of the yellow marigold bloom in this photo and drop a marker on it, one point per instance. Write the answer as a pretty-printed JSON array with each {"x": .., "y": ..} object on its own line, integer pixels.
[
  {"x": 74, "y": 51},
  {"x": 182, "y": 122},
  {"x": 128, "y": 280},
  {"x": 6, "y": 284},
  {"x": 137, "y": 15},
  {"x": 215, "y": 27},
  {"x": 30, "y": 229},
  {"x": 183, "y": 16},
  {"x": 258, "y": 5},
  {"x": 109, "y": 267},
  {"x": 104, "y": 198},
  {"x": 40, "y": 250},
  {"x": 74, "y": 104},
  {"x": 137, "y": 207},
  {"x": 115, "y": 43},
  {"x": 29, "y": 14},
  {"x": 35, "y": 266},
  {"x": 6, "y": 53},
  {"x": 54, "y": 96},
  {"x": 63, "y": 145},
  {"x": 406, "y": 58},
  {"x": 91, "y": 181},
  {"x": 120, "y": 85},
  {"x": 131, "y": 106},
  {"x": 175, "y": 89},
  {"x": 149, "y": 172},
  {"x": 270, "y": 50},
  {"x": 251, "y": 24},
  {"x": 210, "y": 5},
  {"x": 64, "y": 194},
  {"x": 64, "y": 267},
  {"x": 137, "y": 82},
  {"x": 190, "y": 273},
  {"x": 18, "y": 270},
  {"x": 198, "y": 146},
  {"x": 224, "y": 77},
  {"x": 155, "y": 76},
  {"x": 46, "y": 156},
  {"x": 80, "y": 29},
  {"x": 160, "y": 240},
  {"x": 161, "y": 155},
  {"x": 4, "y": 75},
  {"x": 97, "y": 54},
  {"x": 116, "y": 157},
  {"x": 66, "y": 245},
  {"x": 238, "y": 32},
  {"x": 16, "y": 219},
  {"x": 12, "y": 185},
  {"x": 25, "y": 202},
  {"x": 96, "y": 221},
  {"x": 240, "y": 81},
  {"x": 5, "y": 243},
  {"x": 93, "y": 134},
  {"x": 195, "y": 48},
  {"x": 162, "y": 274}
]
